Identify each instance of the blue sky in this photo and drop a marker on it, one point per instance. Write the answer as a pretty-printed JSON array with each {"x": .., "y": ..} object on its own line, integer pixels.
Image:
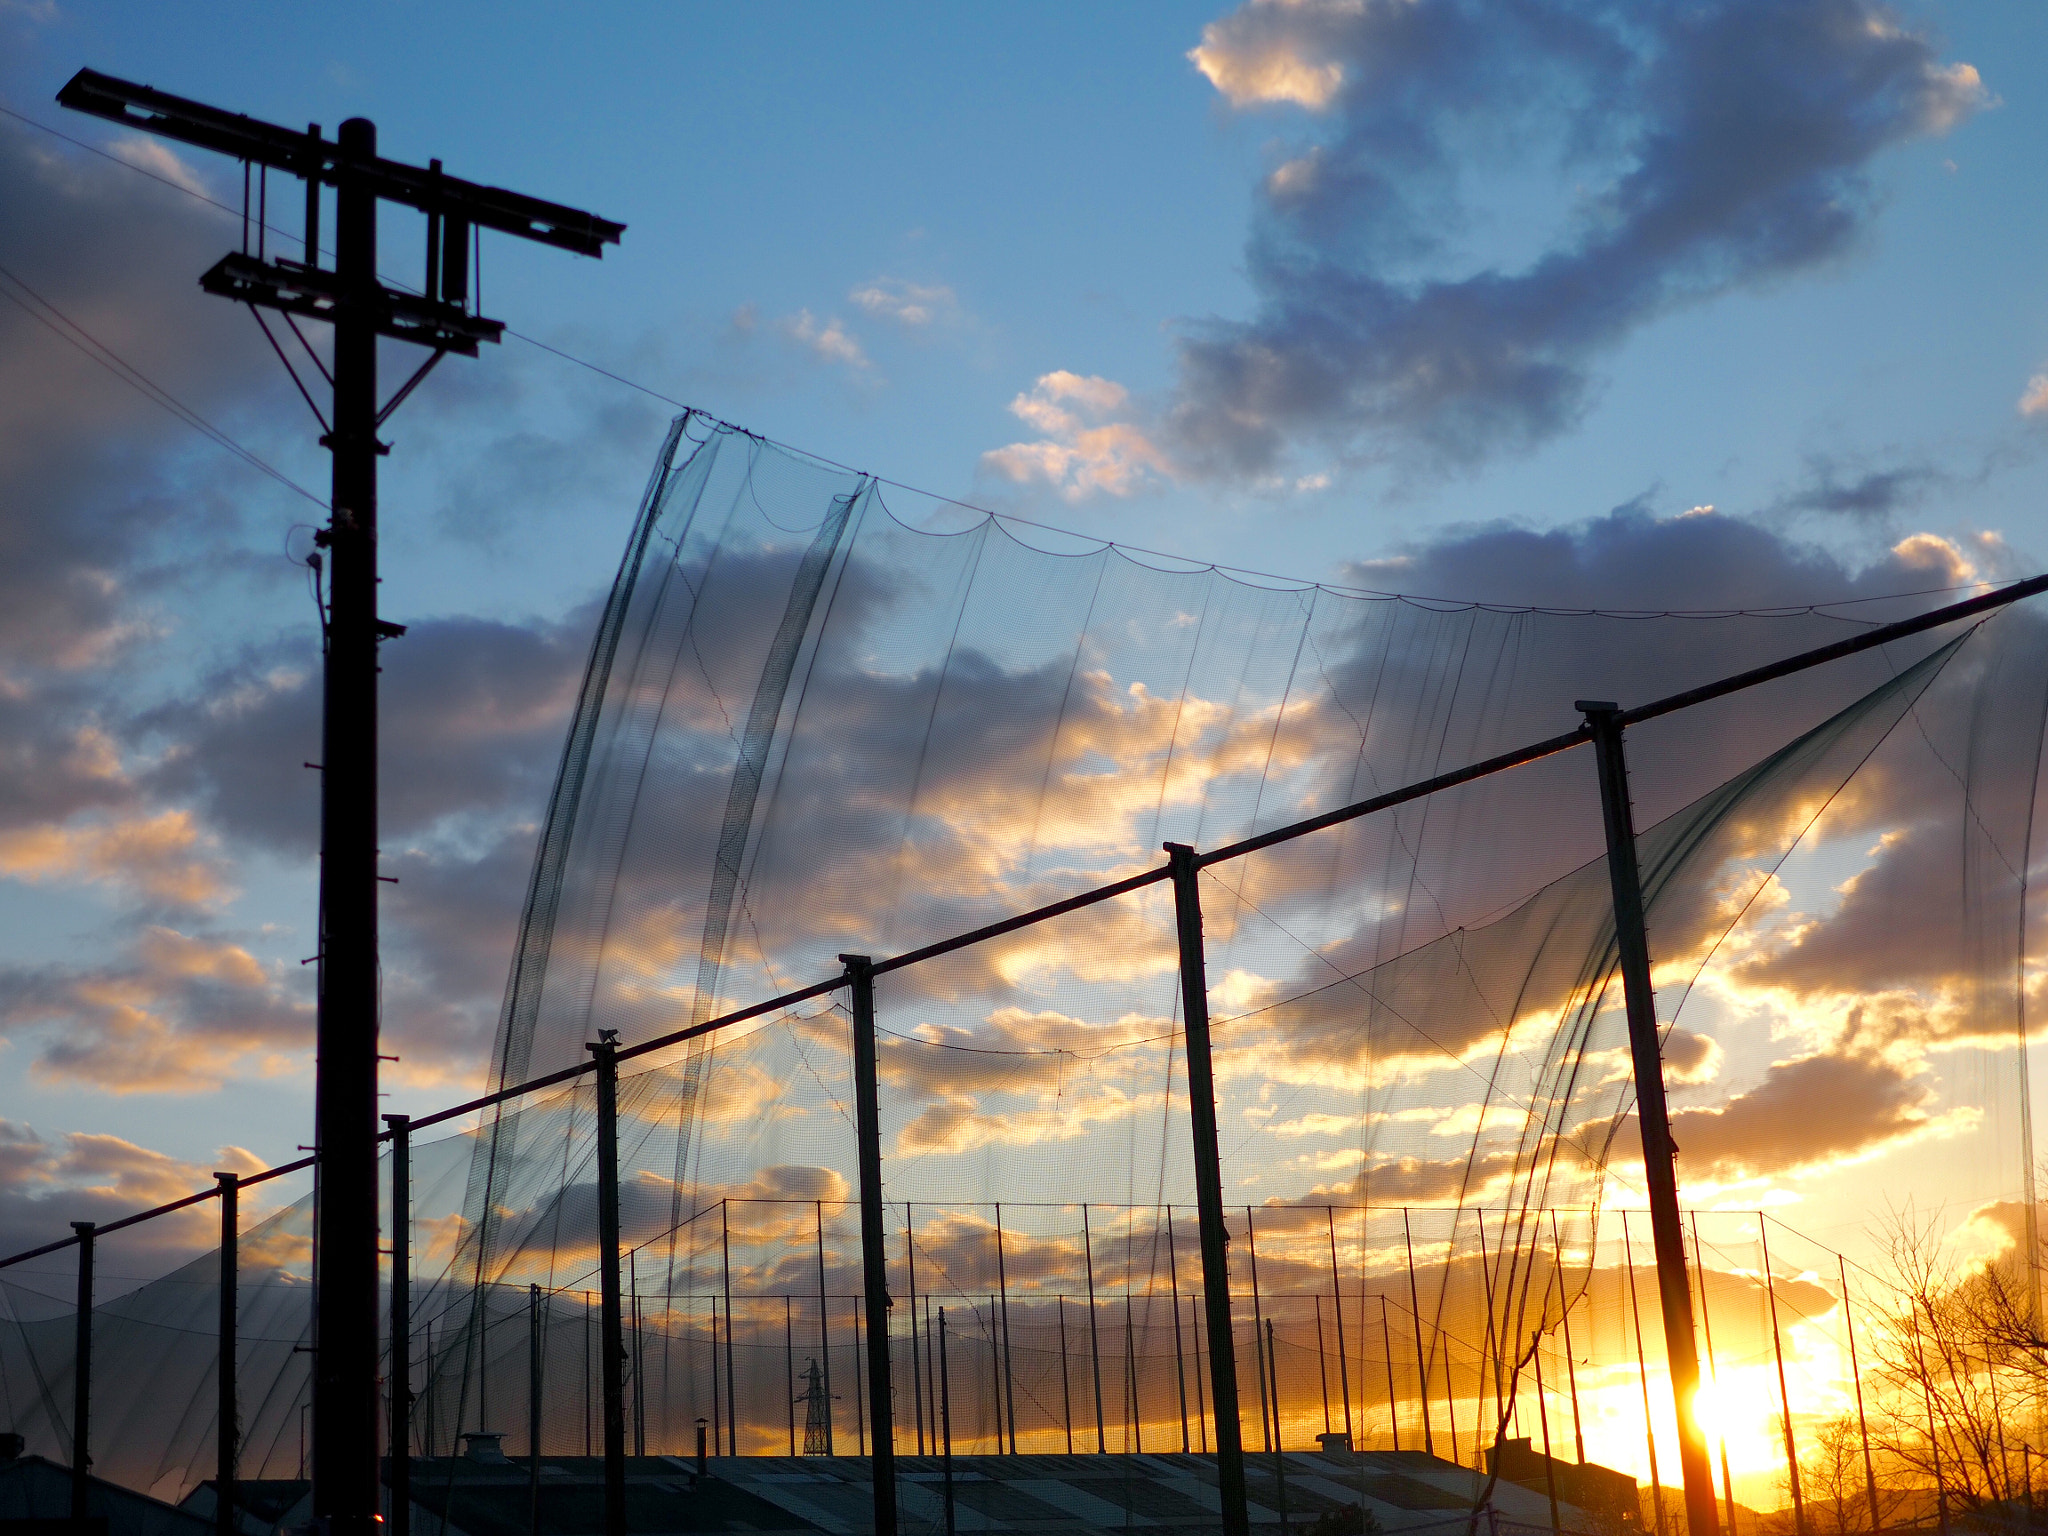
[{"x": 907, "y": 239}]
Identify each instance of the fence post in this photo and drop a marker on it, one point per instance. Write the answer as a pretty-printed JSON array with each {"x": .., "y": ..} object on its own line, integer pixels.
[
  {"x": 732, "y": 1398},
  {"x": 81, "y": 1385},
  {"x": 228, "y": 1432},
  {"x": 1194, "y": 1002},
  {"x": 610, "y": 1325},
  {"x": 874, "y": 1256},
  {"x": 946, "y": 1422},
  {"x": 400, "y": 1384},
  {"x": 1652, "y": 1115},
  {"x": 533, "y": 1383}
]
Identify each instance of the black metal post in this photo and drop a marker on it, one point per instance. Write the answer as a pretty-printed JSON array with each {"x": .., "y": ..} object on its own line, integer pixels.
[
  {"x": 1393, "y": 1402},
  {"x": 1180, "y": 1369},
  {"x": 611, "y": 1325},
  {"x": 874, "y": 1248},
  {"x": 533, "y": 1385},
  {"x": 227, "y": 1417},
  {"x": 1643, "y": 1372},
  {"x": 1194, "y": 1002},
  {"x": 399, "y": 1371},
  {"x": 81, "y": 1381},
  {"x": 789, "y": 1369},
  {"x": 1251, "y": 1240},
  {"x": 916, "y": 1365},
  {"x": 732, "y": 1401},
  {"x": 1421, "y": 1363},
  {"x": 824, "y": 1335},
  {"x": 1066, "y": 1380},
  {"x": 1632, "y": 945},
  {"x": 1784, "y": 1395},
  {"x": 946, "y": 1422},
  {"x": 1009, "y": 1370},
  {"x": 1699, "y": 1265},
  {"x": 1337, "y": 1292},
  {"x": 1094, "y": 1338},
  {"x": 1571, "y": 1368},
  {"x": 1856, "y": 1375},
  {"x": 1279, "y": 1452}
]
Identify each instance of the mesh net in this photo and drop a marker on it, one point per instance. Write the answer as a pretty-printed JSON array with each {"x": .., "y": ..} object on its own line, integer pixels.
[{"x": 811, "y": 727}]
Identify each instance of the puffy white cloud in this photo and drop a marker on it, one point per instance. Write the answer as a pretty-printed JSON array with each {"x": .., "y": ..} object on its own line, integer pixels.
[{"x": 1084, "y": 449}]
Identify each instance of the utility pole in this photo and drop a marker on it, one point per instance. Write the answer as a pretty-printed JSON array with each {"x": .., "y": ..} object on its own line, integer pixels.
[{"x": 361, "y": 308}]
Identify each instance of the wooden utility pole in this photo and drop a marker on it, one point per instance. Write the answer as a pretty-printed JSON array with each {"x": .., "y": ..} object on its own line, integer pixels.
[{"x": 361, "y": 308}]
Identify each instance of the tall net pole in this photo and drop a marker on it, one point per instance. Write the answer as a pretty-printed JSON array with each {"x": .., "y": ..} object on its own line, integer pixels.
[{"x": 1652, "y": 1114}]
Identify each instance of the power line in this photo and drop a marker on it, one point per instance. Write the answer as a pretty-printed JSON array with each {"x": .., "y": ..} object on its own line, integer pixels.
[
  {"x": 1798, "y": 610},
  {"x": 69, "y": 331}
]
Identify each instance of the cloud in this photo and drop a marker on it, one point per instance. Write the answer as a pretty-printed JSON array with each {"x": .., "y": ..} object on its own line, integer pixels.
[
  {"x": 180, "y": 1013},
  {"x": 1084, "y": 449},
  {"x": 2034, "y": 399},
  {"x": 1872, "y": 495},
  {"x": 829, "y": 342},
  {"x": 1691, "y": 151},
  {"x": 1254, "y": 59},
  {"x": 48, "y": 1183},
  {"x": 1821, "y": 1110},
  {"x": 910, "y": 304},
  {"x": 165, "y": 857}
]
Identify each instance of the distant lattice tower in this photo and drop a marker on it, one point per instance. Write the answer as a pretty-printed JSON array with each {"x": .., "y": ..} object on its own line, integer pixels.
[{"x": 817, "y": 1413}]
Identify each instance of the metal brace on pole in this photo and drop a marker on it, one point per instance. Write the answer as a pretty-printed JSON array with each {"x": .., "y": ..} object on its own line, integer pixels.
[
  {"x": 874, "y": 1257},
  {"x": 1194, "y": 1006},
  {"x": 1652, "y": 1113}
]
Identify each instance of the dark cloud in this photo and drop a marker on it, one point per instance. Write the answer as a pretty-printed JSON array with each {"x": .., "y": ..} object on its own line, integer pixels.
[
  {"x": 1868, "y": 495},
  {"x": 1812, "y": 1111},
  {"x": 1725, "y": 145}
]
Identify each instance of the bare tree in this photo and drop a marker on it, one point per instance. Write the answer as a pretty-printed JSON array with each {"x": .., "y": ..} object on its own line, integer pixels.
[{"x": 1961, "y": 1370}]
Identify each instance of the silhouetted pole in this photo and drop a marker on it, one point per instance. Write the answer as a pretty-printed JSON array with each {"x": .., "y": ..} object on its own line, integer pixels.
[
  {"x": 1066, "y": 1380},
  {"x": 1699, "y": 1264},
  {"x": 789, "y": 1368},
  {"x": 1571, "y": 1368},
  {"x": 1337, "y": 1294},
  {"x": 732, "y": 1401},
  {"x": 611, "y": 1325},
  {"x": 399, "y": 1371},
  {"x": 1653, "y": 1117},
  {"x": 1323, "y": 1363},
  {"x": 916, "y": 1365},
  {"x": 824, "y": 1335},
  {"x": 1643, "y": 1373},
  {"x": 81, "y": 1383},
  {"x": 1763, "y": 1238},
  {"x": 1009, "y": 1370},
  {"x": 1279, "y": 1454},
  {"x": 1251, "y": 1241},
  {"x": 1856, "y": 1375},
  {"x": 227, "y": 1436},
  {"x": 874, "y": 1252},
  {"x": 1094, "y": 1336},
  {"x": 1393, "y": 1402},
  {"x": 1180, "y": 1369},
  {"x": 534, "y": 1340},
  {"x": 946, "y": 1422},
  {"x": 345, "y": 1408},
  {"x": 1194, "y": 1003},
  {"x": 1415, "y": 1311}
]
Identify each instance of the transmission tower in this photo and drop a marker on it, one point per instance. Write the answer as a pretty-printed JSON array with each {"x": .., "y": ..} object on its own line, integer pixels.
[{"x": 817, "y": 1413}]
